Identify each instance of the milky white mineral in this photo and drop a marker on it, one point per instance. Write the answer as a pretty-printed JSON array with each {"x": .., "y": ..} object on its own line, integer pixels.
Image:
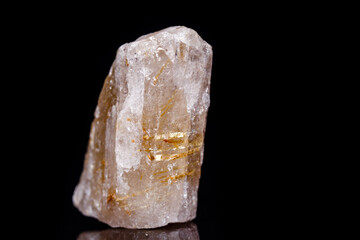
[{"x": 145, "y": 152}]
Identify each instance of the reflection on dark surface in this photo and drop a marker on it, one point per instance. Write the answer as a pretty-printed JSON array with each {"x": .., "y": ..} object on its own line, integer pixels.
[{"x": 172, "y": 231}]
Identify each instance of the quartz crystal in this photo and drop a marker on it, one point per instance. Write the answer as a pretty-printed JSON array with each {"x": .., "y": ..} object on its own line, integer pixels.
[
  {"x": 174, "y": 232},
  {"x": 145, "y": 152}
]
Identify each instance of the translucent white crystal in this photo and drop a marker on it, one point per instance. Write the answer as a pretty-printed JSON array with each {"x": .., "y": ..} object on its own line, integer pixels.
[{"x": 142, "y": 166}]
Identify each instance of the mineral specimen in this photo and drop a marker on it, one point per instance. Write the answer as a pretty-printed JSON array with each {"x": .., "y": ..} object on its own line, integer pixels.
[
  {"x": 142, "y": 166},
  {"x": 173, "y": 232}
]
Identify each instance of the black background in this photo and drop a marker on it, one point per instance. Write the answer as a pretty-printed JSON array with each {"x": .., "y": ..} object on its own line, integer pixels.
[{"x": 59, "y": 57}]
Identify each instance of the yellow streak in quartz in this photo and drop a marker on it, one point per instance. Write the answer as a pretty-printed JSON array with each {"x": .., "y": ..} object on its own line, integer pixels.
[
  {"x": 168, "y": 105},
  {"x": 182, "y": 50},
  {"x": 120, "y": 199},
  {"x": 170, "y": 135},
  {"x": 163, "y": 157},
  {"x": 164, "y": 180},
  {"x": 163, "y": 149},
  {"x": 102, "y": 170},
  {"x": 160, "y": 172},
  {"x": 178, "y": 176},
  {"x": 166, "y": 109},
  {"x": 161, "y": 70}
]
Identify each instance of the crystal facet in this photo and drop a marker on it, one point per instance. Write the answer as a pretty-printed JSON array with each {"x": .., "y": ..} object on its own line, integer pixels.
[{"x": 145, "y": 152}]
